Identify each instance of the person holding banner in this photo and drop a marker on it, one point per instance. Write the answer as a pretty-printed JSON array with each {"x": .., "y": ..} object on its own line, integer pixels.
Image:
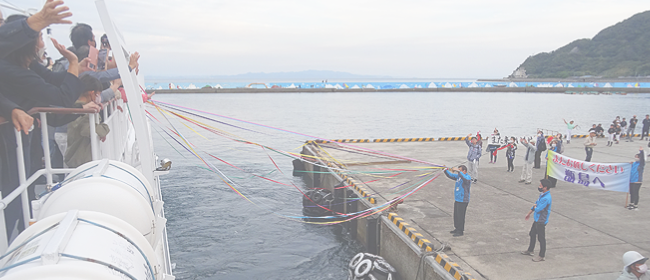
[
  {"x": 542, "y": 210},
  {"x": 529, "y": 158},
  {"x": 590, "y": 143},
  {"x": 636, "y": 177}
]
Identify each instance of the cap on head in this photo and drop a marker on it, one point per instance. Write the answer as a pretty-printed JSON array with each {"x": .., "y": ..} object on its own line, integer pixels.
[
  {"x": 546, "y": 183},
  {"x": 632, "y": 257}
]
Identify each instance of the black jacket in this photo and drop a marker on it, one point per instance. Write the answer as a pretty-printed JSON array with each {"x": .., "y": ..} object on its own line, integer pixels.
[
  {"x": 13, "y": 35},
  {"x": 38, "y": 86}
]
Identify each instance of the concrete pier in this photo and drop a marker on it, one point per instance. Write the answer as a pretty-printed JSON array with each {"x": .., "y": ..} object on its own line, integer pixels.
[{"x": 588, "y": 232}]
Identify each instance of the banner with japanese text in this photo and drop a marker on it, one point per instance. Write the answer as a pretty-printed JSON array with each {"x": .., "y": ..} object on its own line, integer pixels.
[{"x": 603, "y": 176}]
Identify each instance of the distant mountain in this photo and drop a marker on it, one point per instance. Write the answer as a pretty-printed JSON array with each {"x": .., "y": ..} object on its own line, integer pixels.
[
  {"x": 619, "y": 50},
  {"x": 276, "y": 76}
]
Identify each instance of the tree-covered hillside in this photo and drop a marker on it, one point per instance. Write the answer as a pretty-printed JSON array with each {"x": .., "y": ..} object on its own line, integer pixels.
[{"x": 619, "y": 50}]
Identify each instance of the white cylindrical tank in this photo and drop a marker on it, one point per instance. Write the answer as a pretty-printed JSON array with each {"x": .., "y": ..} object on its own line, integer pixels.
[
  {"x": 89, "y": 251},
  {"x": 114, "y": 170},
  {"x": 102, "y": 195},
  {"x": 108, "y": 187}
]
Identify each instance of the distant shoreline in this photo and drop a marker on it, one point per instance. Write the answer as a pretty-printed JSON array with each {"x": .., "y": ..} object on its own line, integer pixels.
[
  {"x": 570, "y": 80},
  {"x": 584, "y": 91}
]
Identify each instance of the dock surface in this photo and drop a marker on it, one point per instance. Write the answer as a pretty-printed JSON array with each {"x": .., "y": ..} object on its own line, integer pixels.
[{"x": 588, "y": 229}]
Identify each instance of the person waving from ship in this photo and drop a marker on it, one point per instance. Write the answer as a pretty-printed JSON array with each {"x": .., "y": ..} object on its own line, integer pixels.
[{"x": 17, "y": 35}]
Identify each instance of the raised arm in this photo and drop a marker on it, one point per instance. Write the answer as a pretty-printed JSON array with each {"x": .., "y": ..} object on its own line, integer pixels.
[
  {"x": 450, "y": 175},
  {"x": 16, "y": 34}
]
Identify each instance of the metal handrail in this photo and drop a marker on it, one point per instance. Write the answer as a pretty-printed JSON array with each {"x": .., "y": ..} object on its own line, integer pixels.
[{"x": 117, "y": 133}]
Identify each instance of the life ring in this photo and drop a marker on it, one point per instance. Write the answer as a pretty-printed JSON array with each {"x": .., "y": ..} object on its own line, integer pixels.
[
  {"x": 356, "y": 260},
  {"x": 383, "y": 266},
  {"x": 363, "y": 268}
]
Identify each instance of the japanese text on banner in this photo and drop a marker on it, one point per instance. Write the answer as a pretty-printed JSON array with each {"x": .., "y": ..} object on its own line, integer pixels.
[{"x": 604, "y": 176}]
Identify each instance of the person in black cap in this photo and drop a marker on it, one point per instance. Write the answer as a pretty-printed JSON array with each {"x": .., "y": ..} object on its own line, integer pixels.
[{"x": 542, "y": 210}]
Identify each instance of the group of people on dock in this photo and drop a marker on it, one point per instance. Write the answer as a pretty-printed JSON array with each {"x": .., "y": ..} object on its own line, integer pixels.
[{"x": 465, "y": 175}]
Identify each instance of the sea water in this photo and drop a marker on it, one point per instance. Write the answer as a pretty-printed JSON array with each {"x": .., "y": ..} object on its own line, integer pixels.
[{"x": 215, "y": 233}]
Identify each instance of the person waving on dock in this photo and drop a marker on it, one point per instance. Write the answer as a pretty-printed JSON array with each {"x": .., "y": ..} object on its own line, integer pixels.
[
  {"x": 461, "y": 196},
  {"x": 541, "y": 210},
  {"x": 473, "y": 155},
  {"x": 569, "y": 128},
  {"x": 527, "y": 170}
]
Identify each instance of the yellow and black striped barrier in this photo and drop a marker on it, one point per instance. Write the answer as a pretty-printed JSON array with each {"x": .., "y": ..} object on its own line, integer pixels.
[
  {"x": 452, "y": 138},
  {"x": 404, "y": 140},
  {"x": 353, "y": 183},
  {"x": 426, "y": 245},
  {"x": 387, "y": 140},
  {"x": 587, "y": 135},
  {"x": 396, "y": 140}
]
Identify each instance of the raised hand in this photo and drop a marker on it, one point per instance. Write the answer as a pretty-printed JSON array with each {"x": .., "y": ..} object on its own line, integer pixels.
[
  {"x": 52, "y": 13},
  {"x": 73, "y": 67}
]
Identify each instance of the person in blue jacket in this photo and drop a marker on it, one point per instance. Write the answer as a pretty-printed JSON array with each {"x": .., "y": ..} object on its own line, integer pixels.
[
  {"x": 461, "y": 196},
  {"x": 542, "y": 210},
  {"x": 636, "y": 178}
]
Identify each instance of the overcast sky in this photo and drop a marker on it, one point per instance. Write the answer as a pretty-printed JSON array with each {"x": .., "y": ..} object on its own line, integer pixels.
[{"x": 412, "y": 38}]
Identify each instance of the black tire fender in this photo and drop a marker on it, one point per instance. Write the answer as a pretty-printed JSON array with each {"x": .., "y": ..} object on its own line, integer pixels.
[{"x": 317, "y": 197}]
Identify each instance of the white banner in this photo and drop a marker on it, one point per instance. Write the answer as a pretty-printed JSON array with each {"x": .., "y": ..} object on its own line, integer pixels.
[{"x": 603, "y": 176}]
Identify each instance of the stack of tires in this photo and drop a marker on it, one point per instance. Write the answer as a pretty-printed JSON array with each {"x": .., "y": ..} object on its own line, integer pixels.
[
  {"x": 316, "y": 203},
  {"x": 366, "y": 266}
]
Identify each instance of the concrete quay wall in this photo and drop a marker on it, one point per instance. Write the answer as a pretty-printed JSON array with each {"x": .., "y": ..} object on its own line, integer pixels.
[
  {"x": 387, "y": 234},
  {"x": 477, "y": 89}
]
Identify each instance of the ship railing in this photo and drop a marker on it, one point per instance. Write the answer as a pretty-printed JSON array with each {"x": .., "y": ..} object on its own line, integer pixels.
[{"x": 115, "y": 147}]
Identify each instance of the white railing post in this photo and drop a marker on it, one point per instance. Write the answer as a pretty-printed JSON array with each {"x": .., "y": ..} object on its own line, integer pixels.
[
  {"x": 94, "y": 144},
  {"x": 46, "y": 149},
  {"x": 132, "y": 90},
  {"x": 22, "y": 177},
  {"x": 4, "y": 241}
]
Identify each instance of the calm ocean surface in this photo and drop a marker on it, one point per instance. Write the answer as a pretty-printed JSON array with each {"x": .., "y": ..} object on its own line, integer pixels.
[{"x": 214, "y": 233}]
